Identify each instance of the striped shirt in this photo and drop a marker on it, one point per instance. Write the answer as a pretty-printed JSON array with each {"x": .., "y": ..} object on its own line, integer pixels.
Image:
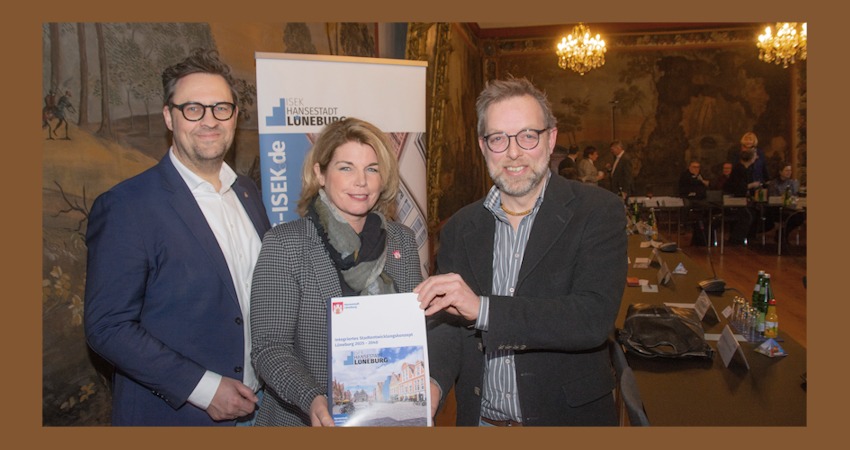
[{"x": 500, "y": 400}]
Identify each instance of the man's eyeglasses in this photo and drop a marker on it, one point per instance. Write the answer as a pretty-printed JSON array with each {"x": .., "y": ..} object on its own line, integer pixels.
[
  {"x": 194, "y": 111},
  {"x": 525, "y": 139}
]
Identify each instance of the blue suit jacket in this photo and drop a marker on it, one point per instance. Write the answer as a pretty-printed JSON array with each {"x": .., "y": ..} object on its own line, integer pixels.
[{"x": 160, "y": 301}]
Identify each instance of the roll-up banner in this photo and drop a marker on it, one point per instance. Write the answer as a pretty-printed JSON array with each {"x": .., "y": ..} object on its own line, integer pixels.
[{"x": 297, "y": 95}]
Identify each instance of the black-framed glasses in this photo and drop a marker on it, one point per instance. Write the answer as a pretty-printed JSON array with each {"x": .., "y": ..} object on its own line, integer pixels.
[
  {"x": 526, "y": 139},
  {"x": 194, "y": 111}
]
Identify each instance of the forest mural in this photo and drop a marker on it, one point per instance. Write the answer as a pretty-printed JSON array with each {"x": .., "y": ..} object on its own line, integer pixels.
[
  {"x": 102, "y": 123},
  {"x": 671, "y": 98}
]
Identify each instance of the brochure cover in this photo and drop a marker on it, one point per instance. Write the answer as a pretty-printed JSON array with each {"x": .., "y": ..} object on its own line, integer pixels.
[{"x": 378, "y": 361}]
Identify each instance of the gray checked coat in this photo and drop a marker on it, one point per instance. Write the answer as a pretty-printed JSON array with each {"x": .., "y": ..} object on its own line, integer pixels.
[{"x": 293, "y": 280}]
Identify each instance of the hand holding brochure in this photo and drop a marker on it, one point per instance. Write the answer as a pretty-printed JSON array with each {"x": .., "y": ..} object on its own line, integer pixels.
[{"x": 378, "y": 361}]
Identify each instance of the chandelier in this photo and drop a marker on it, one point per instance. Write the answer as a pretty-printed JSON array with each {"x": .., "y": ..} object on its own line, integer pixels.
[
  {"x": 580, "y": 52},
  {"x": 786, "y": 47}
]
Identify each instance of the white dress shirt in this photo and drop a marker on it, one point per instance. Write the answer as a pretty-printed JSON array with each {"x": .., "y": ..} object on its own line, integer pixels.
[{"x": 240, "y": 244}]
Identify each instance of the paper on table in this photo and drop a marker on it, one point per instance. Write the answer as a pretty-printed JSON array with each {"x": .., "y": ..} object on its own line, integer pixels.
[
  {"x": 641, "y": 263},
  {"x": 716, "y": 337},
  {"x": 680, "y": 305}
]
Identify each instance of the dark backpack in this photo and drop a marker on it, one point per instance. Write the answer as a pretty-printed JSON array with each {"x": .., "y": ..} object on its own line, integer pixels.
[{"x": 663, "y": 331}]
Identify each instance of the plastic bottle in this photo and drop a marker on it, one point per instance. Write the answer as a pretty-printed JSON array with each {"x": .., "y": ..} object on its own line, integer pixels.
[
  {"x": 654, "y": 224},
  {"x": 765, "y": 294},
  {"x": 771, "y": 320}
]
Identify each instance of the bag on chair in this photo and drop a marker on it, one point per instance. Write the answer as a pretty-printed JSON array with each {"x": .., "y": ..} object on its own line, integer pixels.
[{"x": 663, "y": 331}]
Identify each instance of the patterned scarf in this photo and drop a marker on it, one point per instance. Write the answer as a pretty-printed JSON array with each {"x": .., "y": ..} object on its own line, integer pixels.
[{"x": 359, "y": 258}]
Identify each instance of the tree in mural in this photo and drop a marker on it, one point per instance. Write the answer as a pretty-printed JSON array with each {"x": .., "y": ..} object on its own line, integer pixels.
[
  {"x": 83, "y": 115},
  {"x": 296, "y": 38},
  {"x": 125, "y": 78},
  {"x": 350, "y": 39},
  {"x": 105, "y": 129},
  {"x": 569, "y": 119}
]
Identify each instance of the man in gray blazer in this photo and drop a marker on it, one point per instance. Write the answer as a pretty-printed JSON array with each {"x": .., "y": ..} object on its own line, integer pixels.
[{"x": 529, "y": 281}]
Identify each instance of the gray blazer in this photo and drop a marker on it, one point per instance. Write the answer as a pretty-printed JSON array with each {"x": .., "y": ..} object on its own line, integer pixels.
[
  {"x": 293, "y": 280},
  {"x": 567, "y": 297}
]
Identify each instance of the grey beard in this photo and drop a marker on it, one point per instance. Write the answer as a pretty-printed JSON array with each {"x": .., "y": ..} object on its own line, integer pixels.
[{"x": 519, "y": 189}]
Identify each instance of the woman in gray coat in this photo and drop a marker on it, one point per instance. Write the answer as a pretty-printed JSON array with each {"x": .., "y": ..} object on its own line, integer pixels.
[
  {"x": 343, "y": 245},
  {"x": 587, "y": 171}
]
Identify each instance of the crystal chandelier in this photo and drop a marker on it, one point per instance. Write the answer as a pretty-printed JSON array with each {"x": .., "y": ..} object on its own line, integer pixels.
[
  {"x": 580, "y": 52},
  {"x": 786, "y": 47}
]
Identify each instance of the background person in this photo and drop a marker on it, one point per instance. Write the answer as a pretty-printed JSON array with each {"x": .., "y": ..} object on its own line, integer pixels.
[
  {"x": 587, "y": 171},
  {"x": 741, "y": 184},
  {"x": 170, "y": 258},
  {"x": 530, "y": 281},
  {"x": 716, "y": 184},
  {"x": 777, "y": 187},
  {"x": 692, "y": 186},
  {"x": 749, "y": 141},
  {"x": 567, "y": 167},
  {"x": 344, "y": 245},
  {"x": 621, "y": 177}
]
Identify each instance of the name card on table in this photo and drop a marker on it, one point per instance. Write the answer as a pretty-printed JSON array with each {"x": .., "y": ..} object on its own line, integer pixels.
[
  {"x": 776, "y": 200},
  {"x": 705, "y": 309},
  {"x": 646, "y": 287},
  {"x": 658, "y": 202},
  {"x": 641, "y": 263},
  {"x": 664, "y": 275},
  {"x": 730, "y": 350},
  {"x": 734, "y": 201}
]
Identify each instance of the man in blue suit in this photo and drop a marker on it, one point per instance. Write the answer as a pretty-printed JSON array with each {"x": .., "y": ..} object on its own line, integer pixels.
[{"x": 171, "y": 253}]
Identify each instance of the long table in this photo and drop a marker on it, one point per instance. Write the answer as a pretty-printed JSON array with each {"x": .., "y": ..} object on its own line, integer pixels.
[
  {"x": 706, "y": 392},
  {"x": 784, "y": 214}
]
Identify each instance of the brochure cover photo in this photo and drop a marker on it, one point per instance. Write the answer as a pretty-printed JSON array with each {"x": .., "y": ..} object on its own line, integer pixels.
[{"x": 378, "y": 361}]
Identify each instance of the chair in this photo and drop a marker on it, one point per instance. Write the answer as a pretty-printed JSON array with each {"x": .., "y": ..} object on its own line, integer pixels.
[{"x": 626, "y": 393}]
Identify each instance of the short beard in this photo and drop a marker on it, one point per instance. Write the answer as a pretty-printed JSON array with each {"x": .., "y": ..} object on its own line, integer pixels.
[{"x": 520, "y": 188}]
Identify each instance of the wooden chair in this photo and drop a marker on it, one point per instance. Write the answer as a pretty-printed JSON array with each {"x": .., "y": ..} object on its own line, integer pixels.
[{"x": 626, "y": 393}]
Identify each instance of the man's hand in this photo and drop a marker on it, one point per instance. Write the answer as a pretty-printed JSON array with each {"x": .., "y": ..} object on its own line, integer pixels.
[
  {"x": 232, "y": 400},
  {"x": 319, "y": 414},
  {"x": 449, "y": 292}
]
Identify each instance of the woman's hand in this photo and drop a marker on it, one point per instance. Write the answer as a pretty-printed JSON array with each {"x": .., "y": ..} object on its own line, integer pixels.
[{"x": 319, "y": 414}]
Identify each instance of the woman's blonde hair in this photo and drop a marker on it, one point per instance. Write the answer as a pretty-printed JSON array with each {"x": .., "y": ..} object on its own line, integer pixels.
[{"x": 331, "y": 138}]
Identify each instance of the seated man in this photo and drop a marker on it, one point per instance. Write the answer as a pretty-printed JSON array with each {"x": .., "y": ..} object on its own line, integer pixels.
[
  {"x": 718, "y": 181},
  {"x": 692, "y": 186},
  {"x": 778, "y": 186}
]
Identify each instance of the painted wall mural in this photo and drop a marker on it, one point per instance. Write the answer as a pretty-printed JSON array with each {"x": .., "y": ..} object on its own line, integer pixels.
[
  {"x": 102, "y": 123},
  {"x": 671, "y": 99}
]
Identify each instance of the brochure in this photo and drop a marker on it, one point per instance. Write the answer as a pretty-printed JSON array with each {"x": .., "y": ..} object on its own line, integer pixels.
[{"x": 378, "y": 361}]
